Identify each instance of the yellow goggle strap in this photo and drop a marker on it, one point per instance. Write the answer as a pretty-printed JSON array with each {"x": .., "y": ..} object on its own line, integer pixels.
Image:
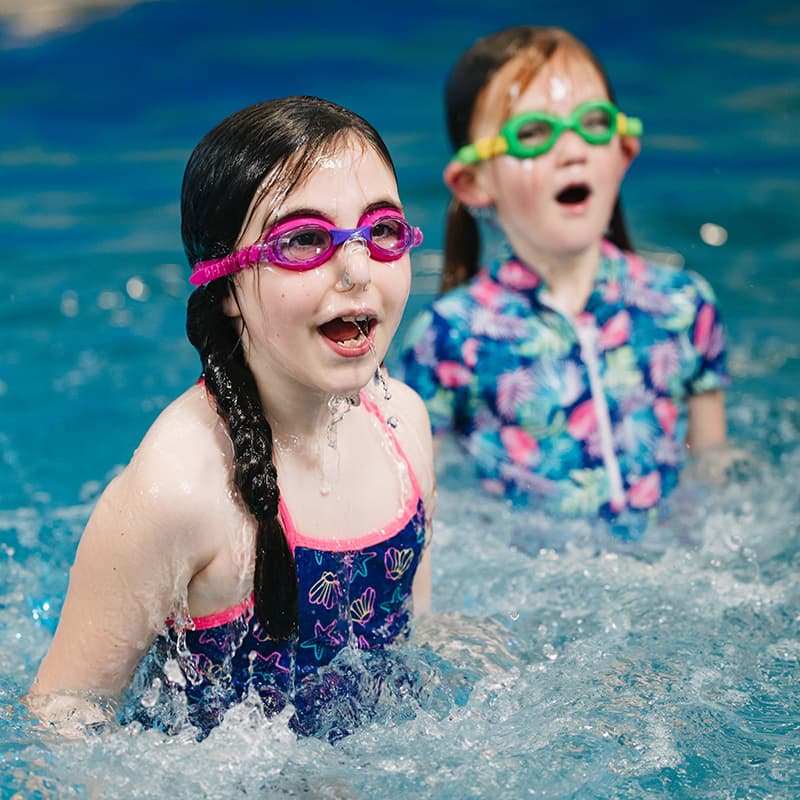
[
  {"x": 628, "y": 126},
  {"x": 483, "y": 149}
]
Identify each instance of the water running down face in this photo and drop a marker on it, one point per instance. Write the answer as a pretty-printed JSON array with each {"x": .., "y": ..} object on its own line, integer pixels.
[{"x": 325, "y": 329}]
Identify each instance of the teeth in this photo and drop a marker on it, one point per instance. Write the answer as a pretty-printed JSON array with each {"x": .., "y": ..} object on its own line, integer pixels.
[{"x": 355, "y": 318}]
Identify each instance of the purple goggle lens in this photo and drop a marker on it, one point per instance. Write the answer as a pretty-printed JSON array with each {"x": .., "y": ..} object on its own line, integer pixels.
[{"x": 304, "y": 243}]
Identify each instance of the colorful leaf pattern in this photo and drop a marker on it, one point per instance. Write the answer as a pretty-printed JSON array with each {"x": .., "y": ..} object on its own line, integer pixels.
[{"x": 522, "y": 404}]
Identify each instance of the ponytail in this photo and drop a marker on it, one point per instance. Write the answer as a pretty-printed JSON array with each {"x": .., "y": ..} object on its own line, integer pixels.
[
  {"x": 462, "y": 246},
  {"x": 230, "y": 382}
]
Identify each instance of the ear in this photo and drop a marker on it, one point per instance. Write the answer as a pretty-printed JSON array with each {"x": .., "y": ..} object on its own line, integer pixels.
[
  {"x": 630, "y": 147},
  {"x": 464, "y": 183},
  {"x": 230, "y": 306}
]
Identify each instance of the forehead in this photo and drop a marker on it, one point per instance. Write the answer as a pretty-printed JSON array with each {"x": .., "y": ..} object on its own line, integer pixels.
[
  {"x": 346, "y": 174},
  {"x": 561, "y": 80},
  {"x": 343, "y": 175},
  {"x": 528, "y": 82}
]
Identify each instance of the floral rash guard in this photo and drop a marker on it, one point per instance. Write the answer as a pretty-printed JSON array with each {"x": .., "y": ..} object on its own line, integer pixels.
[{"x": 580, "y": 417}]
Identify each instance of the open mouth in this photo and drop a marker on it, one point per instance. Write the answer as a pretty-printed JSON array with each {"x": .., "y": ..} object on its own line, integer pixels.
[
  {"x": 573, "y": 194},
  {"x": 350, "y": 330}
]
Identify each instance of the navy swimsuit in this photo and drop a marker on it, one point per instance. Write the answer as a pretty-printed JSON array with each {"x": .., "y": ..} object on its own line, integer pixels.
[{"x": 353, "y": 593}]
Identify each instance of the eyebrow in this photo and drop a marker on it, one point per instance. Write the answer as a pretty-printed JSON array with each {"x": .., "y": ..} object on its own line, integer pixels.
[{"x": 315, "y": 212}]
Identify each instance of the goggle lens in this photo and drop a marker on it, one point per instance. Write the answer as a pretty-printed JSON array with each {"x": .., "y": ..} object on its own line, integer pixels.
[
  {"x": 533, "y": 133},
  {"x": 302, "y": 244},
  {"x": 597, "y": 125},
  {"x": 391, "y": 236}
]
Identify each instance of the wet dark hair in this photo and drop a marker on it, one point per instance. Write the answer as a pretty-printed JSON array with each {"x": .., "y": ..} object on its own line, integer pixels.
[
  {"x": 466, "y": 84},
  {"x": 268, "y": 148}
]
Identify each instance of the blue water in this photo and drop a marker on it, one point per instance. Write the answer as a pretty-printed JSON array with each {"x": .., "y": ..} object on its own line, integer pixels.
[{"x": 555, "y": 664}]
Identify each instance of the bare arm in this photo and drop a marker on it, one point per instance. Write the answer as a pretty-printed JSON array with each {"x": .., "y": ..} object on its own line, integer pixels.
[
  {"x": 421, "y": 588},
  {"x": 707, "y": 425},
  {"x": 121, "y": 590},
  {"x": 712, "y": 455},
  {"x": 140, "y": 549}
]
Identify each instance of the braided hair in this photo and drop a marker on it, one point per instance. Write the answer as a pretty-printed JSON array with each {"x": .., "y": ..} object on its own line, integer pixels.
[
  {"x": 268, "y": 148},
  {"x": 534, "y": 45}
]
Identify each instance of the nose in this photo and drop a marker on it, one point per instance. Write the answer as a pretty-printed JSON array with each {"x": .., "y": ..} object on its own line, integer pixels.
[
  {"x": 570, "y": 148},
  {"x": 355, "y": 264}
]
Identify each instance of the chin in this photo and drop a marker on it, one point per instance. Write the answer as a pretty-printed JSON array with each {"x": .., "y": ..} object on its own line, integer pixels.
[{"x": 355, "y": 381}]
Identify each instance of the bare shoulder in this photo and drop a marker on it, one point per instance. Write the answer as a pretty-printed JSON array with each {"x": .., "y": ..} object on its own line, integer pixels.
[
  {"x": 185, "y": 441},
  {"x": 179, "y": 474},
  {"x": 406, "y": 401}
]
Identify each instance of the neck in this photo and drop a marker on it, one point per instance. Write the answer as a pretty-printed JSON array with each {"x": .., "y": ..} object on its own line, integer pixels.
[
  {"x": 569, "y": 277},
  {"x": 306, "y": 418},
  {"x": 297, "y": 415}
]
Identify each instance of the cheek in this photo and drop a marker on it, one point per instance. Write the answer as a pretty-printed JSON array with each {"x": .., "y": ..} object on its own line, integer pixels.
[
  {"x": 294, "y": 291},
  {"x": 394, "y": 286},
  {"x": 265, "y": 310},
  {"x": 610, "y": 172},
  {"x": 397, "y": 284},
  {"x": 522, "y": 183}
]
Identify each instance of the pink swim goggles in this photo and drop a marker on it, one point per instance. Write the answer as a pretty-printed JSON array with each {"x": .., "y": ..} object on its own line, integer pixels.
[{"x": 306, "y": 242}]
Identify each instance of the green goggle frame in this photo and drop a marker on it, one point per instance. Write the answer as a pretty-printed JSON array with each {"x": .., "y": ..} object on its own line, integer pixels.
[{"x": 533, "y": 133}]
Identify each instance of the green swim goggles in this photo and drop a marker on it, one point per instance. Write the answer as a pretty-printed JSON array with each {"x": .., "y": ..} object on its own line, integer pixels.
[{"x": 533, "y": 133}]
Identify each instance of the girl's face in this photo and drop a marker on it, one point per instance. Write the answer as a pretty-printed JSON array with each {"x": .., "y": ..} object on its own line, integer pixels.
[
  {"x": 324, "y": 330},
  {"x": 559, "y": 203}
]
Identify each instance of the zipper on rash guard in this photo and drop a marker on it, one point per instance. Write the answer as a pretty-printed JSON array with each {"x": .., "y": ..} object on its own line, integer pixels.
[{"x": 587, "y": 334}]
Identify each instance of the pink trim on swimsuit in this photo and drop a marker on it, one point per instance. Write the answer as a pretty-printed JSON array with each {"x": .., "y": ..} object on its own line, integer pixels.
[
  {"x": 373, "y": 409},
  {"x": 221, "y": 617}
]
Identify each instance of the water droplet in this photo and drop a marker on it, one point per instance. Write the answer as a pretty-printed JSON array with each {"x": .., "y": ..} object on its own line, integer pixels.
[
  {"x": 150, "y": 696},
  {"x": 174, "y": 673},
  {"x": 70, "y": 306}
]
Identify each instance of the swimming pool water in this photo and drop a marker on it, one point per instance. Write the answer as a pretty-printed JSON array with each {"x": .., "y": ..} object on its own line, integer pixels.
[{"x": 556, "y": 663}]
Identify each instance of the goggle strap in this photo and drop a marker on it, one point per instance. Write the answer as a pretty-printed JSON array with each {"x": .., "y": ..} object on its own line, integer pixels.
[
  {"x": 482, "y": 150},
  {"x": 466, "y": 155},
  {"x": 207, "y": 271},
  {"x": 628, "y": 126}
]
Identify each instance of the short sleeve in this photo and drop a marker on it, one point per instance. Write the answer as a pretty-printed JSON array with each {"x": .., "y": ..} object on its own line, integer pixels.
[
  {"x": 707, "y": 335},
  {"x": 429, "y": 358}
]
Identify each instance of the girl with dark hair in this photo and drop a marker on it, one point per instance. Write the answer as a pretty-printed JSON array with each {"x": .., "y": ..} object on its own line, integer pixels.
[
  {"x": 278, "y": 512},
  {"x": 575, "y": 372}
]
